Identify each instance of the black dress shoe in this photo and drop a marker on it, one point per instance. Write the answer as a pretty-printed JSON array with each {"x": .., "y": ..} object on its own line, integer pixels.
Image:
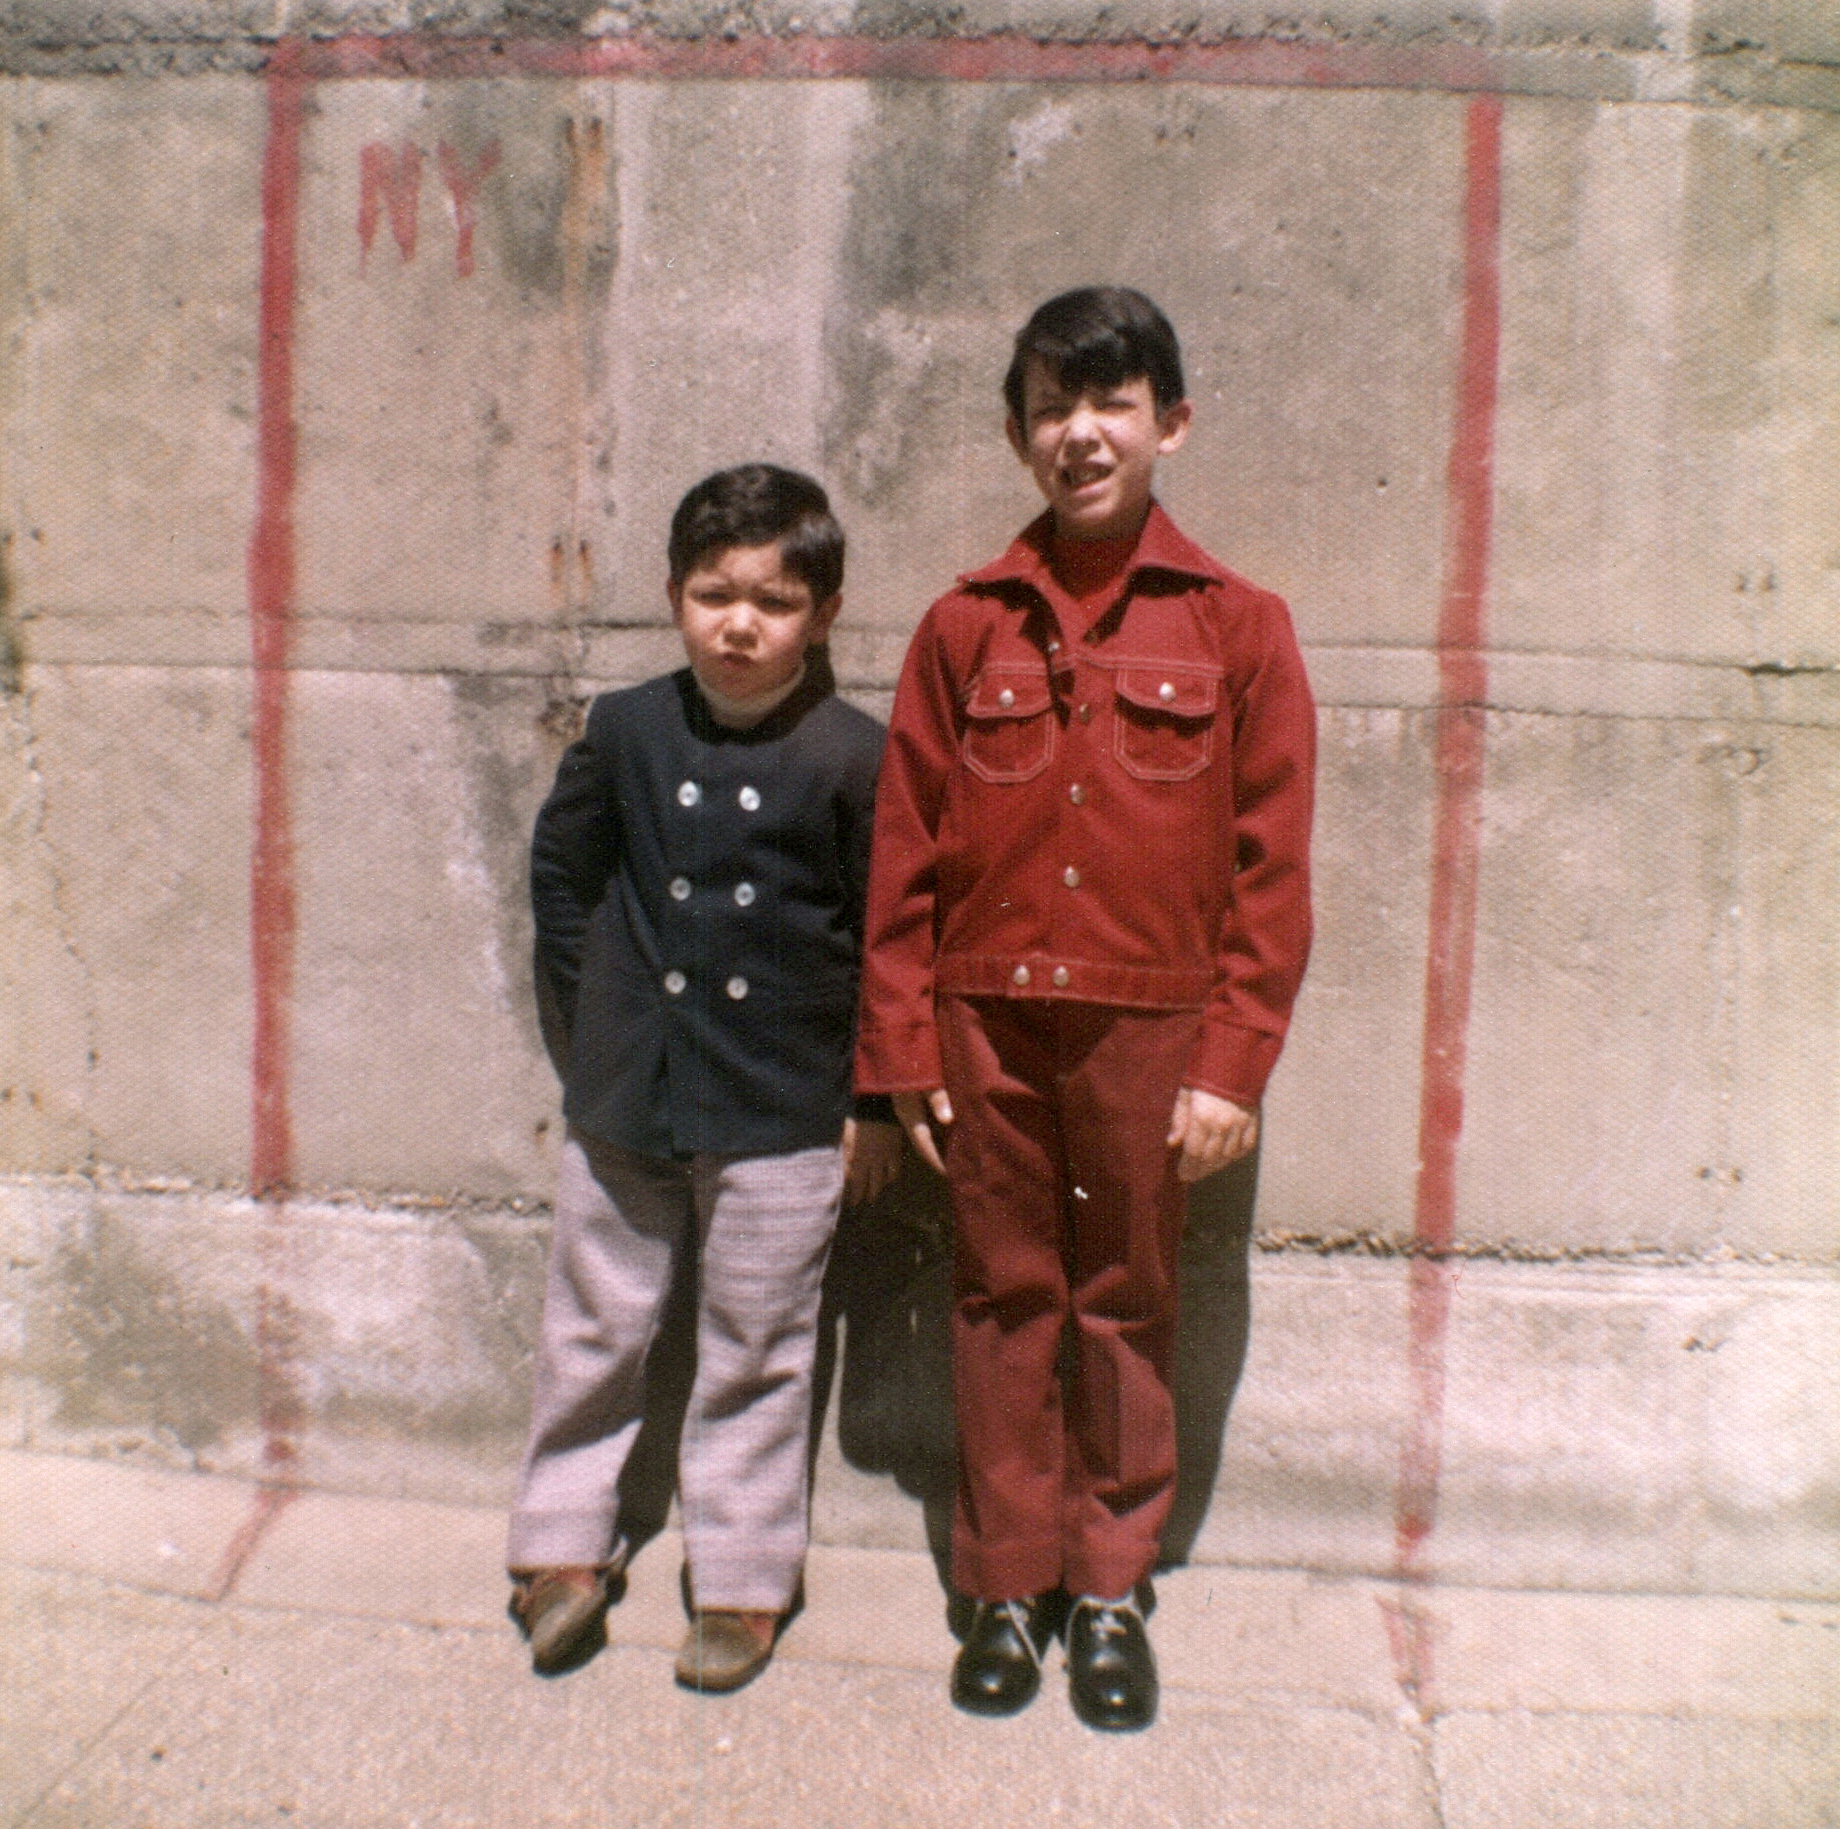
[
  {"x": 998, "y": 1670},
  {"x": 1111, "y": 1671}
]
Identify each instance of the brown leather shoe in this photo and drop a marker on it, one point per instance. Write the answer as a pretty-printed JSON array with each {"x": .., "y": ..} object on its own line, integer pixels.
[
  {"x": 563, "y": 1613},
  {"x": 726, "y": 1647}
]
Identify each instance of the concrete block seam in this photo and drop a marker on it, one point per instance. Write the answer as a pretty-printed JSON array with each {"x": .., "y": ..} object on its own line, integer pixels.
[
  {"x": 472, "y": 1211},
  {"x": 1712, "y": 693},
  {"x": 1279, "y": 1243}
]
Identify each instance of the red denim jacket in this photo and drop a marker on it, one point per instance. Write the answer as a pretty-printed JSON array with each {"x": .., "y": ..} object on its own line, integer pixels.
[{"x": 1116, "y": 813}]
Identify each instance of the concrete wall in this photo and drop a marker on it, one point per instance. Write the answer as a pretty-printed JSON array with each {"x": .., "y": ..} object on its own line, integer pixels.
[{"x": 561, "y": 296}]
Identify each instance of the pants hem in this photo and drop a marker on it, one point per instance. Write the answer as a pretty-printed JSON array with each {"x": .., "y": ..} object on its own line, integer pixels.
[
  {"x": 548, "y": 1540},
  {"x": 753, "y": 1575}
]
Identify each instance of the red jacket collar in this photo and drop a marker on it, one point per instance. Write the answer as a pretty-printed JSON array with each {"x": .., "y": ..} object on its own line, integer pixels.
[{"x": 1162, "y": 547}]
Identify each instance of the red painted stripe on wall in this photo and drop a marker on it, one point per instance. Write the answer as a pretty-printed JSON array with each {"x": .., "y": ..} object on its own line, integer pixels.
[
  {"x": 271, "y": 872},
  {"x": 997, "y": 58},
  {"x": 271, "y": 606},
  {"x": 1462, "y": 688},
  {"x": 268, "y": 1503},
  {"x": 1455, "y": 861}
]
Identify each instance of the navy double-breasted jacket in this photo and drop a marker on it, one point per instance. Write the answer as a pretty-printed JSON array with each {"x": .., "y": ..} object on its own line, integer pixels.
[{"x": 699, "y": 895}]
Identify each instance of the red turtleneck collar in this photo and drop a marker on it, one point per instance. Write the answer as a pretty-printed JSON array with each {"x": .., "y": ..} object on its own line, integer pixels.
[{"x": 1090, "y": 570}]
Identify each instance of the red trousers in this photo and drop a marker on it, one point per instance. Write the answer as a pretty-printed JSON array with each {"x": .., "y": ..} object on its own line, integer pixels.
[{"x": 1067, "y": 1220}]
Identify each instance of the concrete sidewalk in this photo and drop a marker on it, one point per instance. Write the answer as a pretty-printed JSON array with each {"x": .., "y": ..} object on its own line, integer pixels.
[{"x": 180, "y": 1652}]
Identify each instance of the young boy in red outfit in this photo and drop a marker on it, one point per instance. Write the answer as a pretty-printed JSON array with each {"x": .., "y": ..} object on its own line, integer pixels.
[{"x": 1088, "y": 918}]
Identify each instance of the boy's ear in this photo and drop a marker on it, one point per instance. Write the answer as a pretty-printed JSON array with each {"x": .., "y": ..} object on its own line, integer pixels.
[
  {"x": 823, "y": 616},
  {"x": 1172, "y": 427},
  {"x": 1018, "y": 440},
  {"x": 674, "y": 596}
]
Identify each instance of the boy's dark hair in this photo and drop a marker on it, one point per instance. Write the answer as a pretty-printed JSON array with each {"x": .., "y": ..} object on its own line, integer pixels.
[
  {"x": 751, "y": 505},
  {"x": 1098, "y": 336}
]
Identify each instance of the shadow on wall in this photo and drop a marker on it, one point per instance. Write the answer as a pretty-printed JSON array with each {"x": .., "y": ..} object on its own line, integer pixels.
[{"x": 889, "y": 1287}]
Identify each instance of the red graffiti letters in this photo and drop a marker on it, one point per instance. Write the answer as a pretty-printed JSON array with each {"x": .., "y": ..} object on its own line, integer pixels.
[
  {"x": 462, "y": 187},
  {"x": 390, "y": 182}
]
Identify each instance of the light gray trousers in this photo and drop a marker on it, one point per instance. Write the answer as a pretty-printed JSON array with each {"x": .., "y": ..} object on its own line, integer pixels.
[{"x": 763, "y": 1227}]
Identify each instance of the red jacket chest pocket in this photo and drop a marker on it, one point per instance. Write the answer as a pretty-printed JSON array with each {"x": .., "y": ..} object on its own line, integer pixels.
[
  {"x": 1009, "y": 724},
  {"x": 1164, "y": 719}
]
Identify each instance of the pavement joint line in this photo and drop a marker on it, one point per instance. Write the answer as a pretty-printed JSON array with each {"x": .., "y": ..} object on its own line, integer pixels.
[
  {"x": 84, "y": 1751},
  {"x": 1821, "y": 1614},
  {"x": 1376, "y": 1583},
  {"x": 1248, "y": 1701},
  {"x": 265, "y": 1502}
]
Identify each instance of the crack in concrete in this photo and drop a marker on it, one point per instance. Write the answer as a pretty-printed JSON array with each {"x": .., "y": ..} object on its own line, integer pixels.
[{"x": 1424, "y": 1737}]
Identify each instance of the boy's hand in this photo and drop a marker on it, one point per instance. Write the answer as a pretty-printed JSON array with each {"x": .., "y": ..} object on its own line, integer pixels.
[
  {"x": 871, "y": 1157},
  {"x": 1209, "y": 1130},
  {"x": 919, "y": 1112}
]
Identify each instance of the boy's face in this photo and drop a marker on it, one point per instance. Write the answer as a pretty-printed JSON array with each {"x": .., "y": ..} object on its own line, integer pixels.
[
  {"x": 747, "y": 621},
  {"x": 1093, "y": 454}
]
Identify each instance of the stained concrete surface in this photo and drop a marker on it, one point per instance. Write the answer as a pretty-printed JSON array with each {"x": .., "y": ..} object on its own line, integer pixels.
[
  {"x": 666, "y": 275},
  {"x": 1604, "y": 1425},
  {"x": 1613, "y": 1774},
  {"x": 360, "y": 1672}
]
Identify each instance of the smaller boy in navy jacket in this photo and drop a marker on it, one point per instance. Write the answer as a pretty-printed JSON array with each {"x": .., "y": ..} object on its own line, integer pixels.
[{"x": 698, "y": 876}]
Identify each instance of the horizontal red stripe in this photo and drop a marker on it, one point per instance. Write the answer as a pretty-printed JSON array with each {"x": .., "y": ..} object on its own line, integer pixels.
[{"x": 1000, "y": 58}]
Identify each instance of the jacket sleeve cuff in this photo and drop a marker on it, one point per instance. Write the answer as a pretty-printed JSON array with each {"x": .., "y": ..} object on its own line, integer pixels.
[
  {"x": 1233, "y": 1062},
  {"x": 904, "y": 1059}
]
